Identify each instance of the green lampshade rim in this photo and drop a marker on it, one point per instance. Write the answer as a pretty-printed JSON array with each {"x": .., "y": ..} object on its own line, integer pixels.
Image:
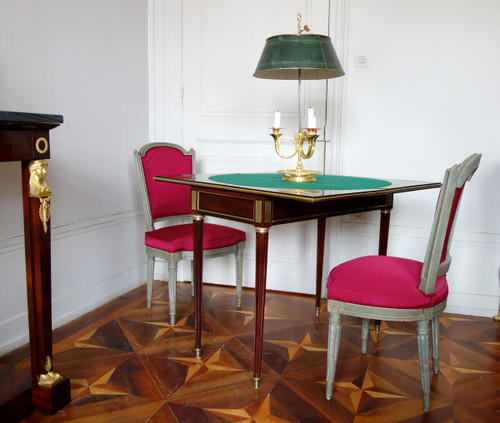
[
  {"x": 333, "y": 73},
  {"x": 303, "y": 68}
]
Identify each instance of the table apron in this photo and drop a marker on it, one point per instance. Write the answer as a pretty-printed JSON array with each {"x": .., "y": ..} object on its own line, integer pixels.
[
  {"x": 262, "y": 210},
  {"x": 18, "y": 145}
]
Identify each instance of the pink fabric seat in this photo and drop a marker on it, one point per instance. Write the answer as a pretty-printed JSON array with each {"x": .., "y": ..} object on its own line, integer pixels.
[
  {"x": 382, "y": 281},
  {"x": 180, "y": 237}
]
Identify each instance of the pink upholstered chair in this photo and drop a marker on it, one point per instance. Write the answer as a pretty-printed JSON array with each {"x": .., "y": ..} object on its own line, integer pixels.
[
  {"x": 167, "y": 209},
  {"x": 400, "y": 289}
]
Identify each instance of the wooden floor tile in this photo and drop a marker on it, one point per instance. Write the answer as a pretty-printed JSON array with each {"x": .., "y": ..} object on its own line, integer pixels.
[{"x": 127, "y": 363}]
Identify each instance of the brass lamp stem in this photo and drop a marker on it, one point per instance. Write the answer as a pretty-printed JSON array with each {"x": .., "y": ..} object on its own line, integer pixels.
[{"x": 300, "y": 98}]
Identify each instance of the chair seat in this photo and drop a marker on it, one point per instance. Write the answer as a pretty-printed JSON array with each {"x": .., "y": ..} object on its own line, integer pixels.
[
  {"x": 180, "y": 237},
  {"x": 383, "y": 281}
]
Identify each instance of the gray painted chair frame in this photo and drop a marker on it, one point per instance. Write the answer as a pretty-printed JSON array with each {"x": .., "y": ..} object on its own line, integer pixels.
[
  {"x": 172, "y": 259},
  {"x": 454, "y": 178}
]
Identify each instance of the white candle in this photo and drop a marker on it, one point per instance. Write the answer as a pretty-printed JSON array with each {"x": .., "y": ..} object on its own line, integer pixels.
[
  {"x": 277, "y": 117},
  {"x": 311, "y": 119}
]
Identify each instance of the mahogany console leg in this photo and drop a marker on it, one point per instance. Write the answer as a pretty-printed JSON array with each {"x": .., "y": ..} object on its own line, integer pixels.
[
  {"x": 320, "y": 251},
  {"x": 51, "y": 391},
  {"x": 262, "y": 236},
  {"x": 198, "y": 280}
]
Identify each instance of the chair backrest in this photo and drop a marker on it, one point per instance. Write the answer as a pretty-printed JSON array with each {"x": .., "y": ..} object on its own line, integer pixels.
[
  {"x": 437, "y": 258},
  {"x": 163, "y": 200}
]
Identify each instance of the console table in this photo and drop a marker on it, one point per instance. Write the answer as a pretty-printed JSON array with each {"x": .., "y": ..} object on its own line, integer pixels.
[{"x": 24, "y": 137}]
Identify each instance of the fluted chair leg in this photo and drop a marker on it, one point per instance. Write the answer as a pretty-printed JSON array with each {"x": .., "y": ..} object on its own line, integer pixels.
[
  {"x": 423, "y": 354},
  {"x": 172, "y": 289},
  {"x": 435, "y": 344},
  {"x": 334, "y": 328},
  {"x": 150, "y": 277},
  {"x": 239, "y": 274},
  {"x": 364, "y": 334}
]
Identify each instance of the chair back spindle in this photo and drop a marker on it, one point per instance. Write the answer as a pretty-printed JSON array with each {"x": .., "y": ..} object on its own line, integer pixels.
[{"x": 437, "y": 258}]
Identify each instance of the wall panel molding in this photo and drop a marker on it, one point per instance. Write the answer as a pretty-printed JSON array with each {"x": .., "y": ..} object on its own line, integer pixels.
[
  {"x": 114, "y": 242},
  {"x": 165, "y": 70}
]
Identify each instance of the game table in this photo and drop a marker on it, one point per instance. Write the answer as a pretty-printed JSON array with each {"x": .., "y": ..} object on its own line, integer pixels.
[{"x": 264, "y": 200}]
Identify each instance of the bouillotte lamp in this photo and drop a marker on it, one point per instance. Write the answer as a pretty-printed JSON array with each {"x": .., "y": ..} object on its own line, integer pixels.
[{"x": 298, "y": 57}]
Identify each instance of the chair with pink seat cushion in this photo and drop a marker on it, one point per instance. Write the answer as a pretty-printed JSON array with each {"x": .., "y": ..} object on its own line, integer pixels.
[
  {"x": 169, "y": 228},
  {"x": 400, "y": 289}
]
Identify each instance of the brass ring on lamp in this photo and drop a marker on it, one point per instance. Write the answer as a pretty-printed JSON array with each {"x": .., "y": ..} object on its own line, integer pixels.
[
  {"x": 311, "y": 145},
  {"x": 277, "y": 144}
]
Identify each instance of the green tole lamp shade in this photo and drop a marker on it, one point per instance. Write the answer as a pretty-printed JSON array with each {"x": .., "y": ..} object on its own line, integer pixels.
[{"x": 301, "y": 56}]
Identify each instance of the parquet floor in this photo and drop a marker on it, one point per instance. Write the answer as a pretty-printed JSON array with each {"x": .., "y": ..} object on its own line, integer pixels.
[{"x": 127, "y": 364}]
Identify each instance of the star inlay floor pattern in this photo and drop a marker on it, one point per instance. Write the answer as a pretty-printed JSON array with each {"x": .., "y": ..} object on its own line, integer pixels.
[{"x": 128, "y": 364}]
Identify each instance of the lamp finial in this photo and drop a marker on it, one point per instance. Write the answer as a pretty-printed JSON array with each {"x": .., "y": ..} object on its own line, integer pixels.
[{"x": 299, "y": 25}]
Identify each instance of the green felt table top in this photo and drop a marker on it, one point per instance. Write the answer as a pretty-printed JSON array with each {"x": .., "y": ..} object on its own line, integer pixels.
[{"x": 323, "y": 182}]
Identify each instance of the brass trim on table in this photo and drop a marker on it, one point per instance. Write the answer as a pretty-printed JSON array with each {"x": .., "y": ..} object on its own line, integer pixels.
[
  {"x": 45, "y": 148},
  {"x": 40, "y": 190},
  {"x": 194, "y": 203},
  {"x": 50, "y": 378},
  {"x": 267, "y": 211},
  {"x": 258, "y": 211},
  {"x": 44, "y": 212},
  {"x": 38, "y": 186}
]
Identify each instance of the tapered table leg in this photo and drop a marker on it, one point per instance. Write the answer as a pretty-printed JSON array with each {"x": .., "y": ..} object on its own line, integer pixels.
[
  {"x": 198, "y": 280},
  {"x": 383, "y": 241},
  {"x": 320, "y": 252},
  {"x": 262, "y": 237}
]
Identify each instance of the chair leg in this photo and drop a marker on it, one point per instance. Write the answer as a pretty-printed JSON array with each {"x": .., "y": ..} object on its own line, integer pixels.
[
  {"x": 435, "y": 344},
  {"x": 334, "y": 328},
  {"x": 172, "y": 288},
  {"x": 364, "y": 334},
  {"x": 423, "y": 354},
  {"x": 150, "y": 277},
  {"x": 239, "y": 274}
]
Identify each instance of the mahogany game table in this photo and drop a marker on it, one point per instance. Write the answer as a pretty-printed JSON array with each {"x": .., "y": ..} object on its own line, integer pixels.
[{"x": 264, "y": 200}]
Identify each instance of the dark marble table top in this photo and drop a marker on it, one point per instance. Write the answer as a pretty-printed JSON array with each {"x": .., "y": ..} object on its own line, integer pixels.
[{"x": 22, "y": 119}]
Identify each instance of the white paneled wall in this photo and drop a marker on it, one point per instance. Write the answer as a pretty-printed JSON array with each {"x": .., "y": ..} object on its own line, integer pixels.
[
  {"x": 88, "y": 62},
  {"x": 426, "y": 99}
]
